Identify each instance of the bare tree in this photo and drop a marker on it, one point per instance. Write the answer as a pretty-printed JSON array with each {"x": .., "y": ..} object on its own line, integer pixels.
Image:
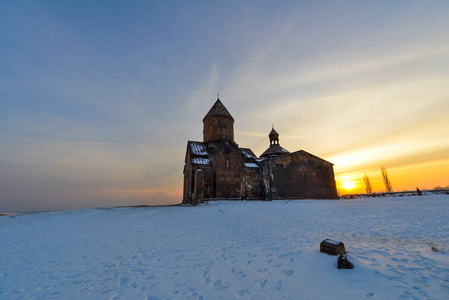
[
  {"x": 387, "y": 181},
  {"x": 368, "y": 187}
]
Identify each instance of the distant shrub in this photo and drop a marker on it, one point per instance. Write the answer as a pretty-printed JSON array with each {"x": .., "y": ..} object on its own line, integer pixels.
[
  {"x": 368, "y": 187},
  {"x": 386, "y": 179}
]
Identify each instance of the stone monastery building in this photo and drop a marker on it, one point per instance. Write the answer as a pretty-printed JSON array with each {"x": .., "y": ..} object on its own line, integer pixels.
[{"x": 217, "y": 168}]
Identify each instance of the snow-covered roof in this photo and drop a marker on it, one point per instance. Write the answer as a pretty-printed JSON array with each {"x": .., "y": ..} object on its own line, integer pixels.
[
  {"x": 198, "y": 148},
  {"x": 200, "y": 161},
  {"x": 248, "y": 153},
  {"x": 273, "y": 150},
  {"x": 251, "y": 165}
]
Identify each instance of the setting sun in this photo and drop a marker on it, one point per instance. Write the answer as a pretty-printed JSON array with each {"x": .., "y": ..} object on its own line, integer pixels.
[{"x": 348, "y": 185}]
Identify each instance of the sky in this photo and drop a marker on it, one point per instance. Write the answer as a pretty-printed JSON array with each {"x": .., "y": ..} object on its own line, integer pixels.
[{"x": 99, "y": 98}]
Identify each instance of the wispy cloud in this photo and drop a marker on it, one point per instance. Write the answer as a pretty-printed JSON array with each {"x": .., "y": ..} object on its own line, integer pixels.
[
  {"x": 203, "y": 94},
  {"x": 326, "y": 73}
]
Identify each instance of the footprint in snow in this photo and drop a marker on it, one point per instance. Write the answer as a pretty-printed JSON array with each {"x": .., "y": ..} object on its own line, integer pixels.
[
  {"x": 369, "y": 295},
  {"x": 394, "y": 259},
  {"x": 239, "y": 274},
  {"x": 278, "y": 285},
  {"x": 407, "y": 296},
  {"x": 285, "y": 255},
  {"x": 123, "y": 281},
  {"x": 423, "y": 293},
  {"x": 288, "y": 272}
]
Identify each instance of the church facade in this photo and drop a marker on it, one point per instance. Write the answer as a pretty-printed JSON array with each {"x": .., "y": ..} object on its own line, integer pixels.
[{"x": 217, "y": 168}]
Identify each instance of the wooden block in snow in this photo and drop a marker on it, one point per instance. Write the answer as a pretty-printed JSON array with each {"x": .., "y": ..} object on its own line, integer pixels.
[{"x": 332, "y": 247}]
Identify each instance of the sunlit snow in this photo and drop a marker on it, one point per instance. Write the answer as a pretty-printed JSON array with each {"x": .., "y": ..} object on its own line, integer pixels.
[{"x": 230, "y": 249}]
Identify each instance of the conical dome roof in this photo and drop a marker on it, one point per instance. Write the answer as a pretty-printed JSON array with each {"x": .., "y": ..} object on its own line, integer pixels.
[
  {"x": 274, "y": 150},
  {"x": 273, "y": 132},
  {"x": 218, "y": 109}
]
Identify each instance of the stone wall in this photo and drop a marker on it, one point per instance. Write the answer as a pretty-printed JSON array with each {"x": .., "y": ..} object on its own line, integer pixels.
[
  {"x": 213, "y": 129},
  {"x": 252, "y": 184},
  {"x": 227, "y": 164},
  {"x": 298, "y": 175}
]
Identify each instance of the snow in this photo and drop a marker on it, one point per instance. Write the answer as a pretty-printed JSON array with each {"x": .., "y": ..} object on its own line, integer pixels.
[
  {"x": 251, "y": 165},
  {"x": 333, "y": 242},
  {"x": 228, "y": 250},
  {"x": 198, "y": 148},
  {"x": 248, "y": 153},
  {"x": 200, "y": 161}
]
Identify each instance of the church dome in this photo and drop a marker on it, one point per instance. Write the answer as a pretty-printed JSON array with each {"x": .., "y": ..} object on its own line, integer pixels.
[
  {"x": 218, "y": 110},
  {"x": 218, "y": 124},
  {"x": 274, "y": 149},
  {"x": 273, "y": 134}
]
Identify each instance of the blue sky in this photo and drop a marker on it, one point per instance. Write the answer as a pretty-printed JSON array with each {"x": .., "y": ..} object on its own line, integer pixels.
[{"x": 98, "y": 98}]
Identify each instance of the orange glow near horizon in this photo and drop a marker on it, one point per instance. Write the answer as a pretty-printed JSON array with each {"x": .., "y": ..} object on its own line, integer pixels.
[
  {"x": 347, "y": 184},
  {"x": 426, "y": 175}
]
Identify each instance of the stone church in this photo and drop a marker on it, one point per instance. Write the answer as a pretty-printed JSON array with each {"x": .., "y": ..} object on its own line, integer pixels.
[{"x": 217, "y": 168}]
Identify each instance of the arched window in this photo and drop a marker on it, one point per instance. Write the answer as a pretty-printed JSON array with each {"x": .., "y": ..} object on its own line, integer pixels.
[
  {"x": 227, "y": 163},
  {"x": 223, "y": 132}
]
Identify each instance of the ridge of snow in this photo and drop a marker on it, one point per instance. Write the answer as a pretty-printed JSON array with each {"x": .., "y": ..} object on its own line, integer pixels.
[
  {"x": 198, "y": 149},
  {"x": 251, "y": 165},
  {"x": 200, "y": 161}
]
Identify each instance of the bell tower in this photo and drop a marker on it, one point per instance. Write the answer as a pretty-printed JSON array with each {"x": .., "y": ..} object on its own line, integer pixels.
[
  {"x": 274, "y": 137},
  {"x": 218, "y": 124},
  {"x": 275, "y": 148}
]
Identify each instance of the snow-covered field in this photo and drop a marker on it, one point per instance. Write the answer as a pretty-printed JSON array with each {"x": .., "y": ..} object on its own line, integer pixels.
[{"x": 224, "y": 250}]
